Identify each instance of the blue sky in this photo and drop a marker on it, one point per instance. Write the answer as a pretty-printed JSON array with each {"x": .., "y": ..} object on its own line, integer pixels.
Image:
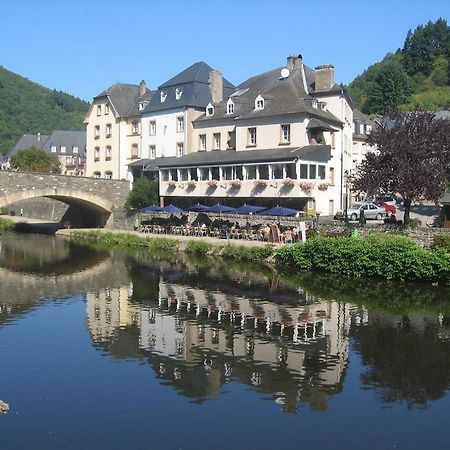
[{"x": 85, "y": 46}]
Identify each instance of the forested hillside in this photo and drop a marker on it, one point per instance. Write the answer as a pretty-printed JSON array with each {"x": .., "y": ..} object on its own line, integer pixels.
[
  {"x": 416, "y": 76},
  {"x": 27, "y": 107}
]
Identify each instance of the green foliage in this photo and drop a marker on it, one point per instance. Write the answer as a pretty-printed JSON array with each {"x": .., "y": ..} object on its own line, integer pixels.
[
  {"x": 144, "y": 192},
  {"x": 442, "y": 241},
  {"x": 256, "y": 254},
  {"x": 390, "y": 257},
  {"x": 198, "y": 247},
  {"x": 35, "y": 160},
  {"x": 425, "y": 58},
  {"x": 6, "y": 225},
  {"x": 27, "y": 107},
  {"x": 3, "y": 210}
]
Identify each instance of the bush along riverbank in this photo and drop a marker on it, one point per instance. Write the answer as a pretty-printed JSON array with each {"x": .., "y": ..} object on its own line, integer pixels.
[
  {"x": 391, "y": 257},
  {"x": 6, "y": 225}
]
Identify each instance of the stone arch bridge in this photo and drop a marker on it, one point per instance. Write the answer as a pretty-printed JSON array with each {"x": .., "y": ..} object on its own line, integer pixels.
[{"x": 91, "y": 200}]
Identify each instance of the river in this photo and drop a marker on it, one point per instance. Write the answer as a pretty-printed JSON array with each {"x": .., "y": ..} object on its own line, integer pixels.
[{"x": 106, "y": 350}]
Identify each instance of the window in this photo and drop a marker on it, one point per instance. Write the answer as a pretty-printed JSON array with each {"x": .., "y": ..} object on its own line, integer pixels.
[
  {"x": 227, "y": 173},
  {"x": 194, "y": 176},
  {"x": 331, "y": 178},
  {"x": 99, "y": 110},
  {"x": 368, "y": 129},
  {"x": 215, "y": 173},
  {"x": 277, "y": 172},
  {"x": 97, "y": 154},
  {"x": 152, "y": 151},
  {"x": 180, "y": 149},
  {"x": 53, "y": 148},
  {"x": 106, "y": 109},
  {"x": 209, "y": 109},
  {"x": 108, "y": 153},
  {"x": 259, "y": 102},
  {"x": 180, "y": 124},
  {"x": 152, "y": 128},
  {"x": 174, "y": 174},
  {"x": 96, "y": 174},
  {"x": 74, "y": 149},
  {"x": 134, "y": 151},
  {"x": 321, "y": 172},
  {"x": 178, "y": 93},
  {"x": 108, "y": 130},
  {"x": 164, "y": 175},
  {"x": 263, "y": 171},
  {"x": 204, "y": 174},
  {"x": 291, "y": 171},
  {"x": 163, "y": 97},
  {"x": 238, "y": 173},
  {"x": 230, "y": 106},
  {"x": 108, "y": 175},
  {"x": 202, "y": 142},
  {"x": 184, "y": 174},
  {"x": 285, "y": 134},
  {"x": 63, "y": 149},
  {"x": 312, "y": 171},
  {"x": 314, "y": 103},
  {"x": 97, "y": 131},
  {"x": 251, "y": 172},
  {"x": 304, "y": 171},
  {"x": 251, "y": 136},
  {"x": 231, "y": 141},
  {"x": 216, "y": 141},
  {"x": 361, "y": 128},
  {"x": 142, "y": 105},
  {"x": 135, "y": 128}
]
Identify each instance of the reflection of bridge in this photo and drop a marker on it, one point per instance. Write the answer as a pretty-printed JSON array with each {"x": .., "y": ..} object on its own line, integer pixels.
[{"x": 95, "y": 198}]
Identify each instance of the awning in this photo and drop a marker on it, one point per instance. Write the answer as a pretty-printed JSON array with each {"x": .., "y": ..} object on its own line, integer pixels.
[{"x": 316, "y": 124}]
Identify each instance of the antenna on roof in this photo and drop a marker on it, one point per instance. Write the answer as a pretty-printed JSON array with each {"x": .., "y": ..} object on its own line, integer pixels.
[{"x": 284, "y": 72}]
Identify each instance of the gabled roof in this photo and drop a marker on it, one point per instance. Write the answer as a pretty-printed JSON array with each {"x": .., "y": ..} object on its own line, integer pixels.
[
  {"x": 68, "y": 139},
  {"x": 193, "y": 83},
  {"x": 197, "y": 73},
  {"x": 125, "y": 98},
  {"x": 281, "y": 96},
  {"x": 27, "y": 141},
  {"x": 319, "y": 153}
]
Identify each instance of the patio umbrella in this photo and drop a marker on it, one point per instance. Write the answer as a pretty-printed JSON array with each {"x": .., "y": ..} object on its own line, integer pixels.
[
  {"x": 279, "y": 211},
  {"x": 150, "y": 208},
  {"x": 249, "y": 209},
  {"x": 171, "y": 209},
  {"x": 219, "y": 208},
  {"x": 198, "y": 208}
]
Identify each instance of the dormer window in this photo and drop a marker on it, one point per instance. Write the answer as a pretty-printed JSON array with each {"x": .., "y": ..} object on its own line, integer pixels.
[
  {"x": 178, "y": 93},
  {"x": 163, "y": 96},
  {"x": 259, "y": 102},
  {"x": 209, "y": 110},
  {"x": 314, "y": 103},
  {"x": 142, "y": 105},
  {"x": 322, "y": 105},
  {"x": 230, "y": 106}
]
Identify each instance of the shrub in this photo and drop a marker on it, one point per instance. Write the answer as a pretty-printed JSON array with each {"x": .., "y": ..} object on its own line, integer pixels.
[
  {"x": 3, "y": 211},
  {"x": 442, "y": 241},
  {"x": 144, "y": 193},
  {"x": 198, "y": 247},
  {"x": 390, "y": 257},
  {"x": 6, "y": 225}
]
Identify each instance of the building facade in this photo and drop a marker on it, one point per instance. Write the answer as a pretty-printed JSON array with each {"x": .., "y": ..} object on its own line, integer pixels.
[{"x": 281, "y": 137}]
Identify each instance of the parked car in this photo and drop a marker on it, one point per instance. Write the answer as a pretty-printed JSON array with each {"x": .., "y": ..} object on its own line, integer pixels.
[
  {"x": 371, "y": 211},
  {"x": 377, "y": 199},
  {"x": 390, "y": 209}
]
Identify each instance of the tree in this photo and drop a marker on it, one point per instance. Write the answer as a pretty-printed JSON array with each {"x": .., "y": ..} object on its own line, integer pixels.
[
  {"x": 412, "y": 158},
  {"x": 144, "y": 192},
  {"x": 35, "y": 160},
  {"x": 391, "y": 88}
]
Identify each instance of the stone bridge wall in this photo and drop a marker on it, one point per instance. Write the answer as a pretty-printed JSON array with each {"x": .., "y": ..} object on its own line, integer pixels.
[{"x": 19, "y": 185}]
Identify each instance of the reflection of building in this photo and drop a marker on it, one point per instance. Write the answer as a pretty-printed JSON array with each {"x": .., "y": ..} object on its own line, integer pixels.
[{"x": 199, "y": 339}]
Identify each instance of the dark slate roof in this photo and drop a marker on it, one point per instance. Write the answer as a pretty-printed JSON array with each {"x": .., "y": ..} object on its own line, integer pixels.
[
  {"x": 281, "y": 96},
  {"x": 194, "y": 84},
  {"x": 27, "y": 141},
  {"x": 69, "y": 139},
  {"x": 360, "y": 118},
  {"x": 446, "y": 198},
  {"x": 125, "y": 98},
  {"x": 319, "y": 153}
]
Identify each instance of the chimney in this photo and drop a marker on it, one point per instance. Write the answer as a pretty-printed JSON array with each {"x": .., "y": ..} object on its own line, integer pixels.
[
  {"x": 216, "y": 86},
  {"x": 324, "y": 77},
  {"x": 142, "y": 88},
  {"x": 294, "y": 62}
]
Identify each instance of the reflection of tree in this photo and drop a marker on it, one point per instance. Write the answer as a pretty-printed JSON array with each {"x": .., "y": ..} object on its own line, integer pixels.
[{"x": 404, "y": 364}]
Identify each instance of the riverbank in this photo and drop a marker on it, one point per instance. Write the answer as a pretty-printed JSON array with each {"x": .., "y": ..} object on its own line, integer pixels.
[{"x": 376, "y": 256}]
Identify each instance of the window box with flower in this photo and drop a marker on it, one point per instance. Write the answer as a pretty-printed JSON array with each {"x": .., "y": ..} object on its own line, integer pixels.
[
  {"x": 307, "y": 186},
  {"x": 235, "y": 183},
  {"x": 213, "y": 183},
  {"x": 191, "y": 184},
  {"x": 171, "y": 183},
  {"x": 260, "y": 183},
  {"x": 288, "y": 182},
  {"x": 323, "y": 186}
]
